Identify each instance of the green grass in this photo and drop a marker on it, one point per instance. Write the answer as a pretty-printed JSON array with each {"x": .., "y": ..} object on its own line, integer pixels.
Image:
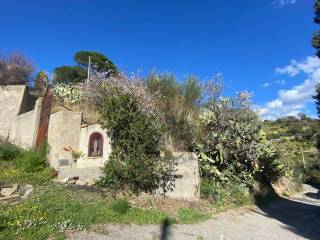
[
  {"x": 11, "y": 174},
  {"x": 53, "y": 208},
  {"x": 191, "y": 215},
  {"x": 120, "y": 206}
]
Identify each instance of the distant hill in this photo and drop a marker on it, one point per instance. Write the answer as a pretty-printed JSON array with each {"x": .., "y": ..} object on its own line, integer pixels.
[{"x": 296, "y": 139}]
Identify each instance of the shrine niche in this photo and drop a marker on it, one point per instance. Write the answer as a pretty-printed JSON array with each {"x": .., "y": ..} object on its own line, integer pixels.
[{"x": 95, "y": 145}]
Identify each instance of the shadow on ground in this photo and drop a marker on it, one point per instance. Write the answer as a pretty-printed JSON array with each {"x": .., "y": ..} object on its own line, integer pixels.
[
  {"x": 314, "y": 195},
  {"x": 165, "y": 229},
  {"x": 301, "y": 218}
]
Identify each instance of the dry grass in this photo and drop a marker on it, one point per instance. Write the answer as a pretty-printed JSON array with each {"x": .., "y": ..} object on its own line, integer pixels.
[
  {"x": 167, "y": 205},
  {"x": 286, "y": 187}
]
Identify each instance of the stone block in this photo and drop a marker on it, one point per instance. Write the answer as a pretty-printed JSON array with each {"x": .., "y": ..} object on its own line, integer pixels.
[{"x": 187, "y": 183}]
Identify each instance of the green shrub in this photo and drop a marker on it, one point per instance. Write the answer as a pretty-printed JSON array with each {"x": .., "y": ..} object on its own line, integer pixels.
[
  {"x": 120, "y": 206},
  {"x": 231, "y": 143},
  {"x": 9, "y": 152},
  {"x": 135, "y": 163},
  {"x": 177, "y": 104},
  {"x": 270, "y": 167},
  {"x": 231, "y": 193},
  {"x": 313, "y": 176},
  {"x": 32, "y": 160}
]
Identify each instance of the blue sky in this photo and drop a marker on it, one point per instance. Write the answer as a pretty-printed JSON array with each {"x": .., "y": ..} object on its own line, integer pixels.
[{"x": 251, "y": 42}]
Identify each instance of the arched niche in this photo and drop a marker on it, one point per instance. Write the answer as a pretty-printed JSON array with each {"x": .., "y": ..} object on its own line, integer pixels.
[{"x": 95, "y": 145}]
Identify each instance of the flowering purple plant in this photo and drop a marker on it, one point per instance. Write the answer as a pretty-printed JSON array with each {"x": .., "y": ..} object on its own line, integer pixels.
[{"x": 102, "y": 84}]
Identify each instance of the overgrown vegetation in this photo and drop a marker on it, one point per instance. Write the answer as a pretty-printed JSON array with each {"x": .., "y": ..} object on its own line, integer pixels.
[
  {"x": 135, "y": 163},
  {"x": 53, "y": 209},
  {"x": 178, "y": 107},
  {"x": 15, "y": 69},
  {"x": 147, "y": 120},
  {"x": 9, "y": 152},
  {"x": 231, "y": 149},
  {"x": 160, "y": 113},
  {"x": 295, "y": 139}
]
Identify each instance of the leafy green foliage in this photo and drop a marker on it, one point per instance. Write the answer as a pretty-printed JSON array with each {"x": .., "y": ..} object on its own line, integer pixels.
[
  {"x": 77, "y": 74},
  {"x": 41, "y": 82},
  {"x": 225, "y": 194},
  {"x": 317, "y": 101},
  {"x": 98, "y": 60},
  {"x": 31, "y": 161},
  {"x": 177, "y": 106},
  {"x": 9, "y": 152},
  {"x": 270, "y": 166},
  {"x": 69, "y": 74},
  {"x": 316, "y": 36},
  {"x": 231, "y": 147},
  {"x": 28, "y": 161},
  {"x": 135, "y": 161}
]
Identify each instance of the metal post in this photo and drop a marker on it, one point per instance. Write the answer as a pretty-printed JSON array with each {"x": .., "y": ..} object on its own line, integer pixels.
[{"x": 89, "y": 65}]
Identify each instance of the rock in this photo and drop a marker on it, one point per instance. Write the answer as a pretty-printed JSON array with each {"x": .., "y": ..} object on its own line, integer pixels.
[
  {"x": 10, "y": 198},
  {"x": 65, "y": 180},
  {"x": 5, "y": 192},
  {"x": 28, "y": 189},
  {"x": 72, "y": 181},
  {"x": 81, "y": 182},
  {"x": 91, "y": 182}
]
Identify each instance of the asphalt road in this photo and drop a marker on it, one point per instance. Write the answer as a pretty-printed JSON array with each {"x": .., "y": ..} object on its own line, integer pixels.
[{"x": 287, "y": 219}]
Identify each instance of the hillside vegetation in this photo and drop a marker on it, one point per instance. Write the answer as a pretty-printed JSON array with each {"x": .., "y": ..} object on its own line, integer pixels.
[{"x": 296, "y": 138}]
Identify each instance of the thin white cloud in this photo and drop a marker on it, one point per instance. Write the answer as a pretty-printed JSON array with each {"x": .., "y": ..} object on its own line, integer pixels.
[
  {"x": 295, "y": 67},
  {"x": 265, "y": 85},
  {"x": 280, "y": 82},
  {"x": 292, "y": 101},
  {"x": 283, "y": 3}
]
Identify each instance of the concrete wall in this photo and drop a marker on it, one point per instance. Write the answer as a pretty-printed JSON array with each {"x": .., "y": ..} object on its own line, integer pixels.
[
  {"x": 187, "y": 185},
  {"x": 25, "y": 127},
  {"x": 86, "y": 161},
  {"x": 10, "y": 102},
  {"x": 64, "y": 130}
]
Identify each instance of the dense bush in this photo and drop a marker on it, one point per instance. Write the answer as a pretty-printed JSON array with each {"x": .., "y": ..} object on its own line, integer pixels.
[
  {"x": 231, "y": 148},
  {"x": 270, "y": 166},
  {"x": 135, "y": 163},
  {"x": 9, "y": 152},
  {"x": 177, "y": 107}
]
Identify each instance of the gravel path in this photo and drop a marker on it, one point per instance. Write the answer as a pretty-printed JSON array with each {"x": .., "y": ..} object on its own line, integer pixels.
[{"x": 286, "y": 219}]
